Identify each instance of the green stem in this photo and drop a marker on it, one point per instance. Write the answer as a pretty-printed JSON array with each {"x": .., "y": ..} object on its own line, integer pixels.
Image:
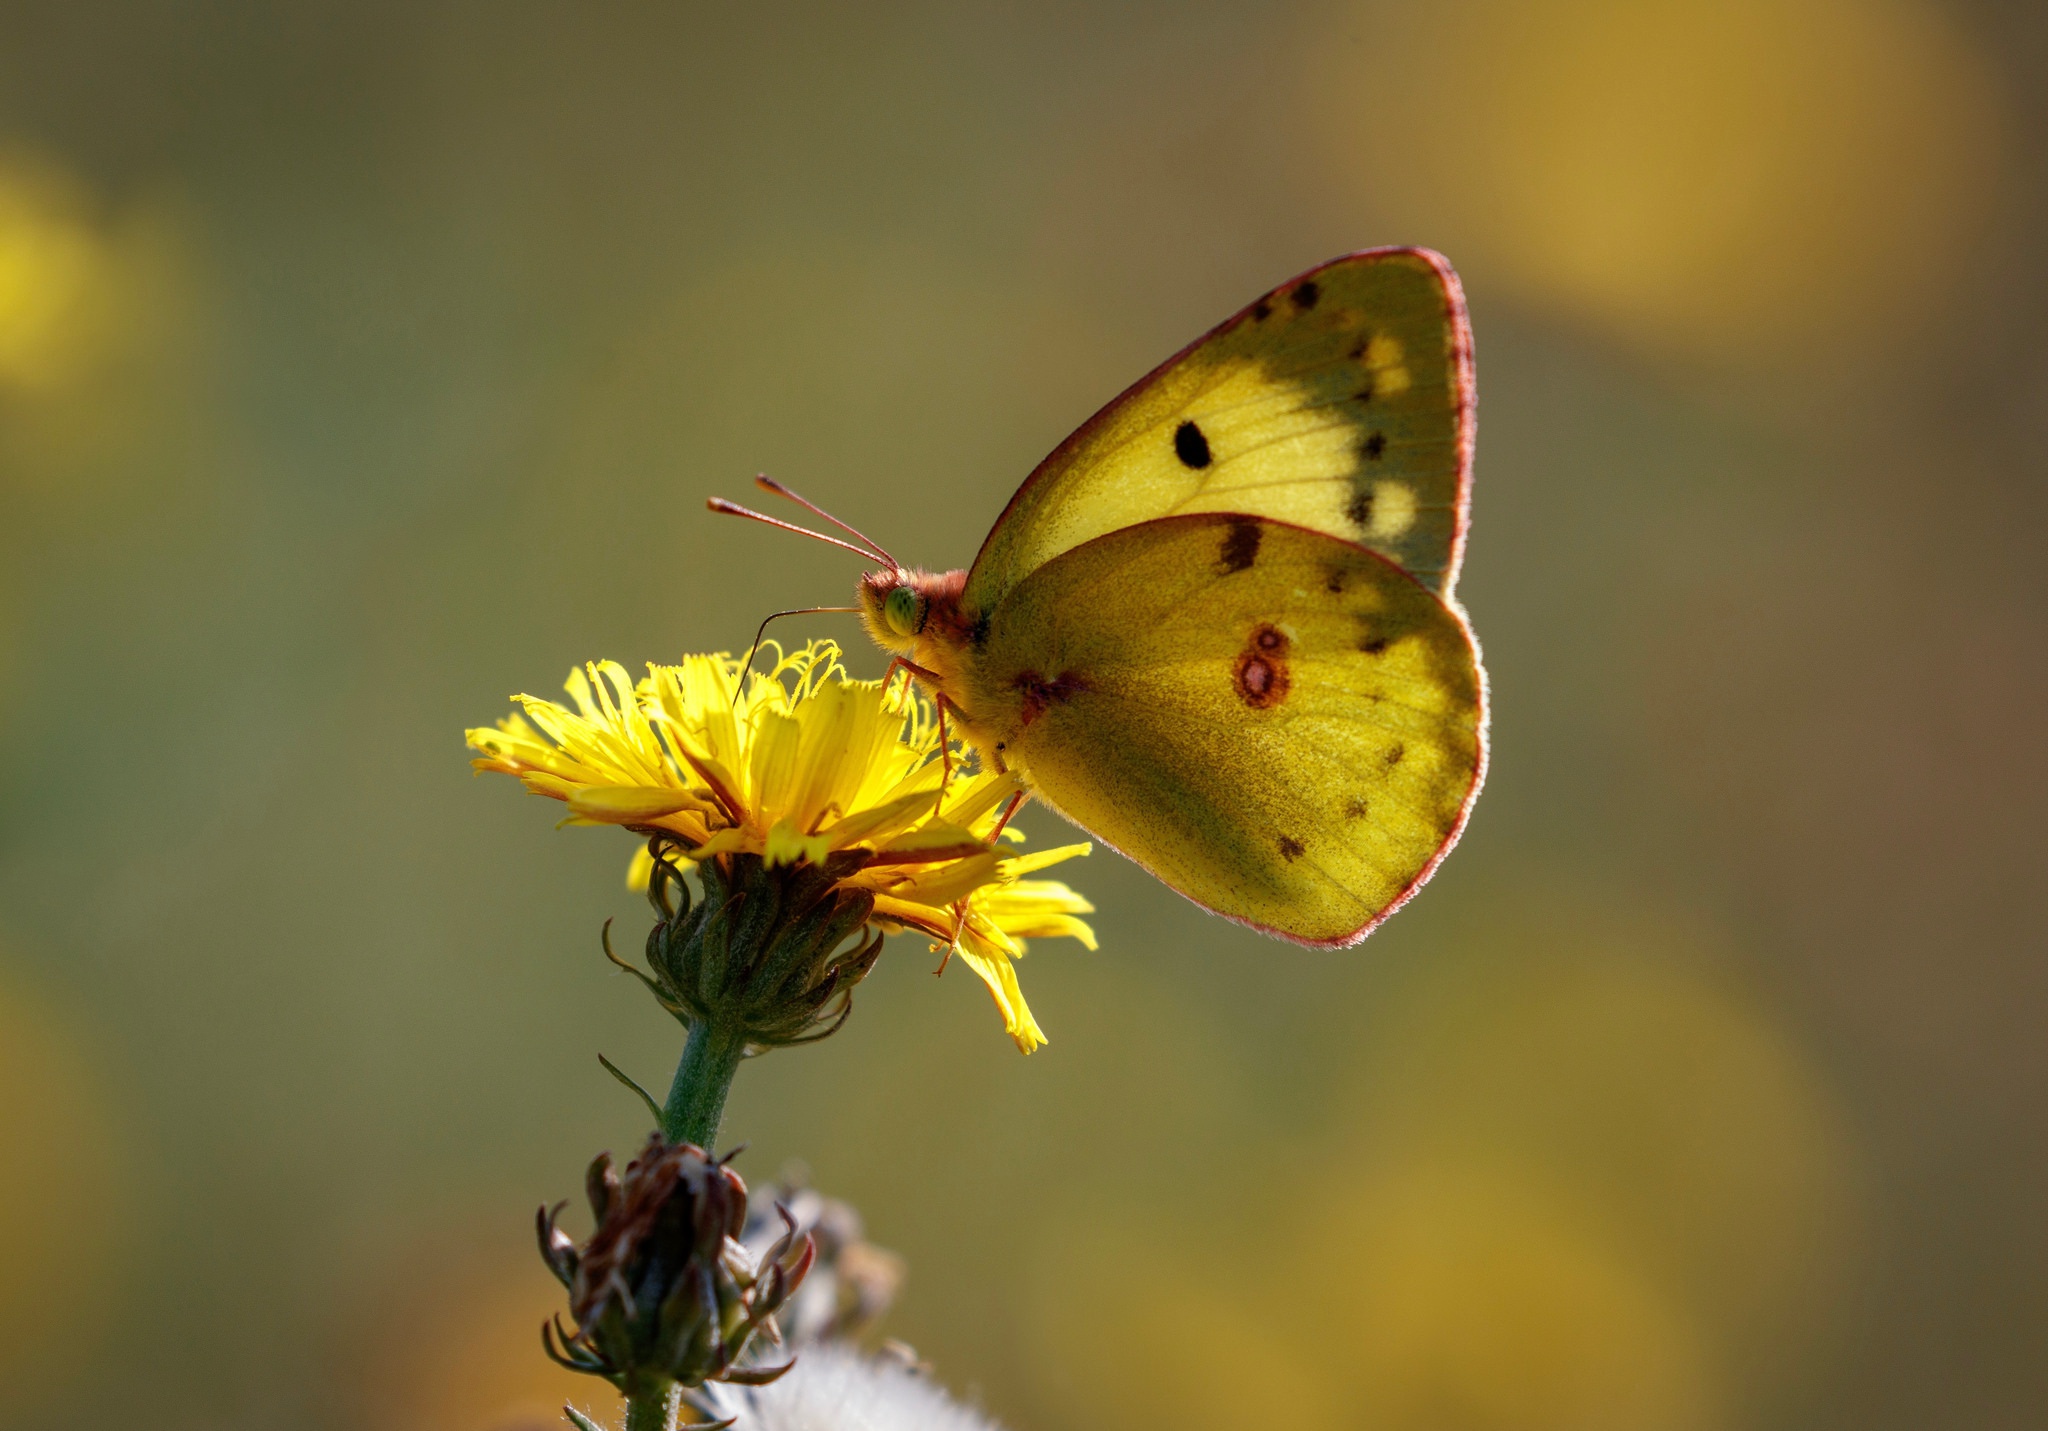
[
  {"x": 696, "y": 1100},
  {"x": 655, "y": 1411}
]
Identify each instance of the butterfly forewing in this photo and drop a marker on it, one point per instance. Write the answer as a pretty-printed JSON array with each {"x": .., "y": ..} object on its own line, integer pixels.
[
  {"x": 1340, "y": 402},
  {"x": 1279, "y": 724}
]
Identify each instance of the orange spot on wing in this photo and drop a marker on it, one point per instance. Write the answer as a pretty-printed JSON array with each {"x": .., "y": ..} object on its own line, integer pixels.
[{"x": 1261, "y": 670}]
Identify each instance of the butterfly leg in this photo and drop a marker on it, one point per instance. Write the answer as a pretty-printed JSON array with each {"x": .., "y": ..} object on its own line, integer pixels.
[
  {"x": 941, "y": 702},
  {"x": 959, "y": 923},
  {"x": 901, "y": 663},
  {"x": 945, "y": 703},
  {"x": 1008, "y": 810},
  {"x": 960, "y": 909}
]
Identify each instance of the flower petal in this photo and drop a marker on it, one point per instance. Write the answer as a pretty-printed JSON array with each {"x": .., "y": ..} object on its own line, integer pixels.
[
  {"x": 786, "y": 845},
  {"x": 907, "y": 914},
  {"x": 992, "y": 963},
  {"x": 630, "y": 804},
  {"x": 792, "y": 763},
  {"x": 881, "y": 820},
  {"x": 948, "y": 883},
  {"x": 1039, "y": 859}
]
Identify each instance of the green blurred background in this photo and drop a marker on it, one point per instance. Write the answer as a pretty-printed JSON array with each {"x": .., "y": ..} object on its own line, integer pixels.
[{"x": 361, "y": 364}]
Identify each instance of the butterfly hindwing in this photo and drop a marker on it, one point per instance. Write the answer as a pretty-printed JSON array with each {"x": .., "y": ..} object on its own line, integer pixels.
[
  {"x": 1279, "y": 724},
  {"x": 1340, "y": 402}
]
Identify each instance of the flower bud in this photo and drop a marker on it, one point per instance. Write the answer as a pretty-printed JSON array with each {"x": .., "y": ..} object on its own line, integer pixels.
[
  {"x": 664, "y": 1291},
  {"x": 771, "y": 951}
]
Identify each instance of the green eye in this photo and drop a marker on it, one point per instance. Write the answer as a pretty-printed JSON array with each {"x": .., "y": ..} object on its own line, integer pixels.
[{"x": 901, "y": 611}]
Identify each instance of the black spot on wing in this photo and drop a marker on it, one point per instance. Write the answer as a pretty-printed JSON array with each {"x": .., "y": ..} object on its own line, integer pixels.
[
  {"x": 1305, "y": 294},
  {"x": 1358, "y": 352},
  {"x": 1360, "y": 508},
  {"x": 1190, "y": 446},
  {"x": 1291, "y": 848},
  {"x": 1261, "y": 311},
  {"x": 1374, "y": 447},
  {"x": 1240, "y": 546},
  {"x": 1394, "y": 754}
]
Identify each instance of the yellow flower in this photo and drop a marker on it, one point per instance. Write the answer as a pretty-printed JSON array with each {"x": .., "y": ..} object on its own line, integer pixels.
[{"x": 800, "y": 765}]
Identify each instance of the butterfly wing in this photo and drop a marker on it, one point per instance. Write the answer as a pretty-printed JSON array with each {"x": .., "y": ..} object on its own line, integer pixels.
[
  {"x": 1342, "y": 401},
  {"x": 1281, "y": 725}
]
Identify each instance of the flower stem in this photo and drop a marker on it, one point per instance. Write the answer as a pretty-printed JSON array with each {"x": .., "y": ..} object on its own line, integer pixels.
[
  {"x": 653, "y": 1412},
  {"x": 696, "y": 1100}
]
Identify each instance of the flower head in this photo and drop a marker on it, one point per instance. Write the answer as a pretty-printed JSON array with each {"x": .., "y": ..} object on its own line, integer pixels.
[
  {"x": 801, "y": 766},
  {"x": 663, "y": 1291}
]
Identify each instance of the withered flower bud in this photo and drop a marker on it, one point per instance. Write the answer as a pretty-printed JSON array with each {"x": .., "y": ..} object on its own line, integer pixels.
[
  {"x": 852, "y": 1281},
  {"x": 771, "y": 952},
  {"x": 664, "y": 1292}
]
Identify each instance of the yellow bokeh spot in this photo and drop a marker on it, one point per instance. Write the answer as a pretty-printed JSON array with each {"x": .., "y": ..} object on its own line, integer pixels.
[
  {"x": 98, "y": 351},
  {"x": 1729, "y": 178},
  {"x": 1573, "y": 1180},
  {"x": 1464, "y": 1301},
  {"x": 56, "y": 273},
  {"x": 1591, "y": 1063},
  {"x": 1162, "y": 1345},
  {"x": 66, "y": 1184},
  {"x": 1427, "y": 1297}
]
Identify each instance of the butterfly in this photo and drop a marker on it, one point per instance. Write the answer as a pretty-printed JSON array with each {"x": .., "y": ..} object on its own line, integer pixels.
[{"x": 1217, "y": 628}]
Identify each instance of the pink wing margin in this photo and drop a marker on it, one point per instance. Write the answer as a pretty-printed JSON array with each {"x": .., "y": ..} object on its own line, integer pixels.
[
  {"x": 1458, "y": 345},
  {"x": 1484, "y": 733},
  {"x": 1464, "y": 387}
]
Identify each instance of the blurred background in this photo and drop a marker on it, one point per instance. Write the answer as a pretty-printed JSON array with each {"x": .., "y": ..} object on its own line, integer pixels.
[{"x": 363, "y": 364}]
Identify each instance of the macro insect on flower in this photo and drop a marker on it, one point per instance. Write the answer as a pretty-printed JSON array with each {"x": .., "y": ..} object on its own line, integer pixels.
[
  {"x": 1218, "y": 626},
  {"x": 801, "y": 765}
]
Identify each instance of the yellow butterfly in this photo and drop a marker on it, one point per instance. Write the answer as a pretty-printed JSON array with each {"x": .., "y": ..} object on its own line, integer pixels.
[{"x": 1217, "y": 628}]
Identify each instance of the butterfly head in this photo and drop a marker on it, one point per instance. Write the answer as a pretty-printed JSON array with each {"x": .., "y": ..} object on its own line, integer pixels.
[
  {"x": 912, "y": 611},
  {"x": 895, "y": 608}
]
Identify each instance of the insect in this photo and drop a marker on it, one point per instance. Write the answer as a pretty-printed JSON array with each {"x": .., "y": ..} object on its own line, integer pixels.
[{"x": 1217, "y": 627}]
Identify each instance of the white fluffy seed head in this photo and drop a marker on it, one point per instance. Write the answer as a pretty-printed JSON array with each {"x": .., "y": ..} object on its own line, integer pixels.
[{"x": 835, "y": 1388}]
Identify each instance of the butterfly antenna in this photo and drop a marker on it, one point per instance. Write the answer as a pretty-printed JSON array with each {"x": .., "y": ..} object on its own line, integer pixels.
[
  {"x": 754, "y": 649},
  {"x": 734, "y": 509},
  {"x": 769, "y": 484}
]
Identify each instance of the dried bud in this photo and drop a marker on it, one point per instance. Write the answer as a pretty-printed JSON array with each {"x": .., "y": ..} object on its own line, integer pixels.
[
  {"x": 772, "y": 951},
  {"x": 852, "y": 1281},
  {"x": 664, "y": 1291}
]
